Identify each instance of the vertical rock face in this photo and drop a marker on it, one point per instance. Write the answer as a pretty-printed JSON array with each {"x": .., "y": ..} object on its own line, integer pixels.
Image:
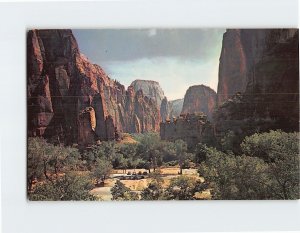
[
  {"x": 192, "y": 128},
  {"x": 151, "y": 89},
  {"x": 143, "y": 109},
  {"x": 86, "y": 127},
  {"x": 242, "y": 52},
  {"x": 164, "y": 109},
  {"x": 175, "y": 107},
  {"x": 141, "y": 113},
  {"x": 61, "y": 83},
  {"x": 199, "y": 98},
  {"x": 266, "y": 77}
]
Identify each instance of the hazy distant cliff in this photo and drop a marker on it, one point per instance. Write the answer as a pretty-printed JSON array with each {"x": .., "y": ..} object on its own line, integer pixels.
[
  {"x": 153, "y": 91},
  {"x": 199, "y": 98},
  {"x": 150, "y": 89},
  {"x": 175, "y": 107},
  {"x": 61, "y": 83}
]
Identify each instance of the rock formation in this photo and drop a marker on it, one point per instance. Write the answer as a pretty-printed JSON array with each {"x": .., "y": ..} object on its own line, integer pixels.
[
  {"x": 258, "y": 86},
  {"x": 164, "y": 109},
  {"x": 175, "y": 108},
  {"x": 248, "y": 52},
  {"x": 199, "y": 98},
  {"x": 192, "y": 128},
  {"x": 151, "y": 89},
  {"x": 142, "y": 113},
  {"x": 62, "y": 83},
  {"x": 86, "y": 127}
]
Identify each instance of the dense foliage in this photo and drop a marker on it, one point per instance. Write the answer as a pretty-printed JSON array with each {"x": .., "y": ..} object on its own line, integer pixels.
[
  {"x": 69, "y": 187},
  {"x": 267, "y": 169},
  {"x": 266, "y": 166},
  {"x": 121, "y": 193},
  {"x": 45, "y": 160}
]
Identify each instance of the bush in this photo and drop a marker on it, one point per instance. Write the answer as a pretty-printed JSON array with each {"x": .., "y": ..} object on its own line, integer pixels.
[
  {"x": 269, "y": 170},
  {"x": 280, "y": 151},
  {"x": 154, "y": 191},
  {"x": 183, "y": 188},
  {"x": 45, "y": 159},
  {"x": 70, "y": 187},
  {"x": 121, "y": 193},
  {"x": 172, "y": 163},
  {"x": 235, "y": 178}
]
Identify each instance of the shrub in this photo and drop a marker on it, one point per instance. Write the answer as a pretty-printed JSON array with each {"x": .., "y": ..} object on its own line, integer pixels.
[
  {"x": 121, "y": 193},
  {"x": 183, "y": 188},
  {"x": 70, "y": 187},
  {"x": 269, "y": 170}
]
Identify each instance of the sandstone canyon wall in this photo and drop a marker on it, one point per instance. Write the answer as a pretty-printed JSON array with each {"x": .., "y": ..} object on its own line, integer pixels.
[
  {"x": 175, "y": 107},
  {"x": 258, "y": 87},
  {"x": 192, "y": 128},
  {"x": 62, "y": 83},
  {"x": 151, "y": 89},
  {"x": 165, "y": 109},
  {"x": 199, "y": 98}
]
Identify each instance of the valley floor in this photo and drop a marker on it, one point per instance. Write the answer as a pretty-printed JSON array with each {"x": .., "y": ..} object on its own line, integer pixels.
[{"x": 167, "y": 173}]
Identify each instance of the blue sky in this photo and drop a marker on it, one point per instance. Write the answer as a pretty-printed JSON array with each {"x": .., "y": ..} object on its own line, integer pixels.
[{"x": 176, "y": 58}]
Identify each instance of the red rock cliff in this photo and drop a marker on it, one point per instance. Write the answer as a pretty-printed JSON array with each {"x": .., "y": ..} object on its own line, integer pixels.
[
  {"x": 242, "y": 51},
  {"x": 62, "y": 82},
  {"x": 199, "y": 98},
  {"x": 263, "y": 66}
]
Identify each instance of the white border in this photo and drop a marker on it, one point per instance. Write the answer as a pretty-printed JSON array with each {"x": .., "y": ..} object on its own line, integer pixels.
[{"x": 18, "y": 215}]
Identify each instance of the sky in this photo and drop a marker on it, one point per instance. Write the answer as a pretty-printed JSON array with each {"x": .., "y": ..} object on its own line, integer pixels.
[{"x": 176, "y": 58}]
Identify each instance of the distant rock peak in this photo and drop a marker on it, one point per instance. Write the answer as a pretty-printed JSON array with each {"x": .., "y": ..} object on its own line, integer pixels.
[
  {"x": 151, "y": 89},
  {"x": 199, "y": 98}
]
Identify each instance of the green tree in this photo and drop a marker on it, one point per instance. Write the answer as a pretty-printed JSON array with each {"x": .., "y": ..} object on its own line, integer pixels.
[
  {"x": 63, "y": 158},
  {"x": 269, "y": 170},
  {"x": 200, "y": 153},
  {"x": 168, "y": 150},
  {"x": 235, "y": 177},
  {"x": 182, "y": 188},
  {"x": 280, "y": 151},
  {"x": 68, "y": 187},
  {"x": 35, "y": 166},
  {"x": 154, "y": 191},
  {"x": 45, "y": 159},
  {"x": 121, "y": 162},
  {"x": 120, "y": 192},
  {"x": 106, "y": 151},
  {"x": 228, "y": 142},
  {"x": 39, "y": 155},
  {"x": 128, "y": 150},
  {"x": 102, "y": 170},
  {"x": 149, "y": 148},
  {"x": 181, "y": 153}
]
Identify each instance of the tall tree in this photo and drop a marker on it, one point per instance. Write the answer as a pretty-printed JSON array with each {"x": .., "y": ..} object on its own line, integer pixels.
[
  {"x": 149, "y": 148},
  {"x": 102, "y": 170},
  {"x": 181, "y": 152},
  {"x": 69, "y": 187}
]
